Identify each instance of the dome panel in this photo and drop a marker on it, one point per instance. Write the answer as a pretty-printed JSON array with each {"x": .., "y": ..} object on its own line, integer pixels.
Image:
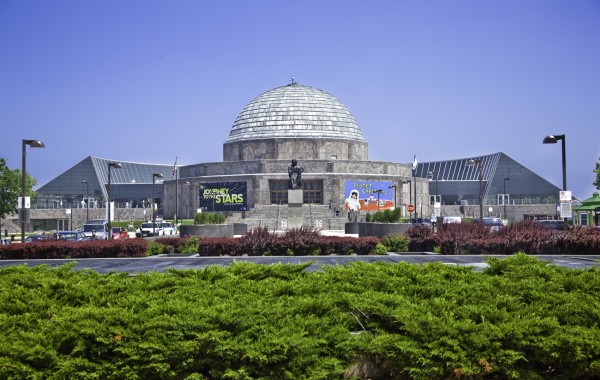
[{"x": 294, "y": 111}]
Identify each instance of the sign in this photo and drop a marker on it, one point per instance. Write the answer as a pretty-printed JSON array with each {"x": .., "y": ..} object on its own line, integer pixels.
[
  {"x": 224, "y": 196},
  {"x": 566, "y": 211},
  {"x": 437, "y": 209},
  {"x": 371, "y": 196},
  {"x": 24, "y": 215},
  {"x": 566, "y": 196},
  {"x": 410, "y": 208},
  {"x": 27, "y": 202}
]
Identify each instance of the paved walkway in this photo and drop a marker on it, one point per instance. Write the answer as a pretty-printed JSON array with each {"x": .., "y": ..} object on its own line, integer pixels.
[{"x": 162, "y": 262}]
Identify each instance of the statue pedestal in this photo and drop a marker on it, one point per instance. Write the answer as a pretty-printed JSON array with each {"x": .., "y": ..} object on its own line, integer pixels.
[{"x": 295, "y": 211}]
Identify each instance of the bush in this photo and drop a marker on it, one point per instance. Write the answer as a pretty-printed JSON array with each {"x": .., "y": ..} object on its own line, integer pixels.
[
  {"x": 519, "y": 318},
  {"x": 396, "y": 242},
  {"x": 209, "y": 218},
  {"x": 57, "y": 249},
  {"x": 386, "y": 216}
]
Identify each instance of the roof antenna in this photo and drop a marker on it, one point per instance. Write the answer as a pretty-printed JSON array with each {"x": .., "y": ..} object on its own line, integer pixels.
[{"x": 293, "y": 79}]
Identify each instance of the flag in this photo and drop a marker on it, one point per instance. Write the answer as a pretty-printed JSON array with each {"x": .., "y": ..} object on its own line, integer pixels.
[
  {"x": 174, "y": 173},
  {"x": 415, "y": 163}
]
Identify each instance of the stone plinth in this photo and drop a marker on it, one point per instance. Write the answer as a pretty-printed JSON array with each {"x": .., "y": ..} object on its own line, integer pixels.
[{"x": 295, "y": 211}]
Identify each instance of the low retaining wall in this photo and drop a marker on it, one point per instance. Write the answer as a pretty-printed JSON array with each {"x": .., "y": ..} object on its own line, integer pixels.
[
  {"x": 207, "y": 230},
  {"x": 381, "y": 229}
]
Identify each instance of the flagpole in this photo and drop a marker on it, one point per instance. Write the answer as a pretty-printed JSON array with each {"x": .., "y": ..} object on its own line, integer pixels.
[
  {"x": 175, "y": 175},
  {"x": 176, "y": 195},
  {"x": 415, "y": 187}
]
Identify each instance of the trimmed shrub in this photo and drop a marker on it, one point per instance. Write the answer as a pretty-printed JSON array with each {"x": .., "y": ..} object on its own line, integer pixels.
[
  {"x": 57, "y": 249},
  {"x": 396, "y": 242},
  {"x": 209, "y": 218}
]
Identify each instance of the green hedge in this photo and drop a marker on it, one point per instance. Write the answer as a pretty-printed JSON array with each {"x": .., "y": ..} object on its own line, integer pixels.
[{"x": 519, "y": 318}]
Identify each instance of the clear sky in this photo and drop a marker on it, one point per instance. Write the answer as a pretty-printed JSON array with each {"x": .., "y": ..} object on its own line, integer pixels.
[{"x": 148, "y": 81}]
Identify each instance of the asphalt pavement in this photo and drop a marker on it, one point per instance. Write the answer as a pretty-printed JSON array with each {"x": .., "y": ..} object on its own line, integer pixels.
[{"x": 161, "y": 263}]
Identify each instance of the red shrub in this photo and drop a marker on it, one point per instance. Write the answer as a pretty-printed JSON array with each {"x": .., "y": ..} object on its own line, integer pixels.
[{"x": 57, "y": 249}]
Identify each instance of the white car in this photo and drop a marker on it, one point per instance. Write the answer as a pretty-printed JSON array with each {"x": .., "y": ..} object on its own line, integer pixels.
[
  {"x": 149, "y": 229},
  {"x": 168, "y": 228}
]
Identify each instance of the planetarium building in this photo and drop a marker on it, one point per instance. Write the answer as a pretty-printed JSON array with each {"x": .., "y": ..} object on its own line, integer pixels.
[
  {"x": 311, "y": 126},
  {"x": 290, "y": 122}
]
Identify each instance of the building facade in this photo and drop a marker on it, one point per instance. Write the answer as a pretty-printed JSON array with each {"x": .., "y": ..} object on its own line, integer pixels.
[{"x": 307, "y": 124}]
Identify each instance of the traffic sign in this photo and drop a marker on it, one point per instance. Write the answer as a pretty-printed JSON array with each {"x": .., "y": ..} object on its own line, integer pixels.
[{"x": 410, "y": 208}]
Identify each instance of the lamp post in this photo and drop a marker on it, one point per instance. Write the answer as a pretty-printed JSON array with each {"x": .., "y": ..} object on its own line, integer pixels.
[
  {"x": 87, "y": 199},
  {"x": 504, "y": 196},
  {"x": 477, "y": 162},
  {"x": 552, "y": 139},
  {"x": 409, "y": 190},
  {"x": 116, "y": 165},
  {"x": 33, "y": 144},
  {"x": 431, "y": 174},
  {"x": 154, "y": 176},
  {"x": 379, "y": 191},
  {"x": 393, "y": 187}
]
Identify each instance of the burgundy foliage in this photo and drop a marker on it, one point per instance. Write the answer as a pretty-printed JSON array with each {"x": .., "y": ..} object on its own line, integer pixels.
[
  {"x": 57, "y": 249},
  {"x": 527, "y": 237},
  {"x": 296, "y": 242}
]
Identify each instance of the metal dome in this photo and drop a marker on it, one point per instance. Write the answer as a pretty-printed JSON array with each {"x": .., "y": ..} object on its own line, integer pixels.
[{"x": 295, "y": 111}]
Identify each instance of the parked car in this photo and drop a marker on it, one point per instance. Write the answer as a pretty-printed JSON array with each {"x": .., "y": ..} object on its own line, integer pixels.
[
  {"x": 425, "y": 222},
  {"x": 495, "y": 224},
  {"x": 149, "y": 229},
  {"x": 96, "y": 229},
  {"x": 451, "y": 219},
  {"x": 32, "y": 238},
  {"x": 552, "y": 224},
  {"x": 168, "y": 228},
  {"x": 71, "y": 236},
  {"x": 119, "y": 233}
]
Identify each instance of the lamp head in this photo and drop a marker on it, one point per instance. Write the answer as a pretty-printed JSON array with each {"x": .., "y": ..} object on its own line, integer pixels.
[
  {"x": 34, "y": 143},
  {"x": 116, "y": 165},
  {"x": 473, "y": 162},
  {"x": 552, "y": 139},
  {"x": 157, "y": 175}
]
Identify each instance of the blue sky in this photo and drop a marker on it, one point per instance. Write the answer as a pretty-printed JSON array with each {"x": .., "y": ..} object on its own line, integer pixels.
[{"x": 148, "y": 81}]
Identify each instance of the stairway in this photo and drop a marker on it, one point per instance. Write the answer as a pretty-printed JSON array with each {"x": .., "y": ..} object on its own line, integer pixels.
[{"x": 275, "y": 216}]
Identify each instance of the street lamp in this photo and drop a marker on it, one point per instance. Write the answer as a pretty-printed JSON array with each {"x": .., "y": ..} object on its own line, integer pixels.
[
  {"x": 116, "y": 165},
  {"x": 431, "y": 174},
  {"x": 33, "y": 144},
  {"x": 504, "y": 196},
  {"x": 379, "y": 191},
  {"x": 87, "y": 200},
  {"x": 552, "y": 139},
  {"x": 154, "y": 176},
  {"x": 477, "y": 162},
  {"x": 393, "y": 187},
  {"x": 409, "y": 191}
]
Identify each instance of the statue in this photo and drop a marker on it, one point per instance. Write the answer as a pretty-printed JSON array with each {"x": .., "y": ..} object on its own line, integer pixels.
[{"x": 295, "y": 173}]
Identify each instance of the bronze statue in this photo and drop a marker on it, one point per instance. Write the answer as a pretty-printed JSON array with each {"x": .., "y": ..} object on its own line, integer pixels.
[{"x": 295, "y": 173}]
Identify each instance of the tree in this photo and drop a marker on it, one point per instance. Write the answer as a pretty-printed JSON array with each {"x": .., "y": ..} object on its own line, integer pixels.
[
  {"x": 597, "y": 171},
  {"x": 10, "y": 188}
]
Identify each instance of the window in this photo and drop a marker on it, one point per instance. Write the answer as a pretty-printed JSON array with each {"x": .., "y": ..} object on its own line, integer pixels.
[
  {"x": 312, "y": 191},
  {"x": 583, "y": 219}
]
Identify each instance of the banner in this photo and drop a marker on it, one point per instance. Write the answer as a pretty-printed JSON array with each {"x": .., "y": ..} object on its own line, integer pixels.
[
  {"x": 366, "y": 194},
  {"x": 223, "y": 196}
]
